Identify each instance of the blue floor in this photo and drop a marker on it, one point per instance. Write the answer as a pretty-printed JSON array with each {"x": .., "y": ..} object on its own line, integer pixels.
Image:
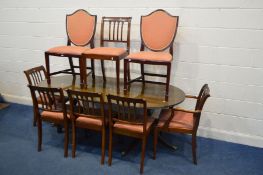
[{"x": 18, "y": 153}]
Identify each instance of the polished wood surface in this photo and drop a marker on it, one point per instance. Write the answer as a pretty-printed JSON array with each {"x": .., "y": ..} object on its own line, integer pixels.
[{"x": 153, "y": 94}]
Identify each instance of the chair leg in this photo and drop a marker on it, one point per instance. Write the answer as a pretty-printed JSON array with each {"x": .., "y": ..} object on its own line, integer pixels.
[
  {"x": 110, "y": 147},
  {"x": 168, "y": 80},
  {"x": 103, "y": 145},
  {"x": 34, "y": 119},
  {"x": 59, "y": 128},
  {"x": 73, "y": 139},
  {"x": 128, "y": 72},
  {"x": 92, "y": 68},
  {"x": 118, "y": 74},
  {"x": 194, "y": 149},
  {"x": 47, "y": 67},
  {"x": 39, "y": 126},
  {"x": 71, "y": 65},
  {"x": 143, "y": 154},
  {"x": 66, "y": 137},
  {"x": 126, "y": 64},
  {"x": 155, "y": 142},
  {"x": 142, "y": 73},
  {"x": 103, "y": 70}
]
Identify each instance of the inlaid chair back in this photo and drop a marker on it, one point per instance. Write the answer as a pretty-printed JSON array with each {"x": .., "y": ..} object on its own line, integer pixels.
[
  {"x": 81, "y": 27},
  {"x": 116, "y": 29},
  {"x": 87, "y": 111},
  {"x": 35, "y": 75},
  {"x": 158, "y": 30}
]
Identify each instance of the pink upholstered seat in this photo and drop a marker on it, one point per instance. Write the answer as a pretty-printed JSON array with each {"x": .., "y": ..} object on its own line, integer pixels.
[
  {"x": 83, "y": 121},
  {"x": 68, "y": 50},
  {"x": 133, "y": 127},
  {"x": 151, "y": 56},
  {"x": 182, "y": 120},
  {"x": 106, "y": 51},
  {"x": 53, "y": 116}
]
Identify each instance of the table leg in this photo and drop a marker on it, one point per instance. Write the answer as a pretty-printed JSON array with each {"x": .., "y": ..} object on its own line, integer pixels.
[
  {"x": 118, "y": 75},
  {"x": 166, "y": 143},
  {"x": 47, "y": 67}
]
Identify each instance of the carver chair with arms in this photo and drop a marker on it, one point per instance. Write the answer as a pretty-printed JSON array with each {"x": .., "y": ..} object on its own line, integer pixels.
[{"x": 180, "y": 120}]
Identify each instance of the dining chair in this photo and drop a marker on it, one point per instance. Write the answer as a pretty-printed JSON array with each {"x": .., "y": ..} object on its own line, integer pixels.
[
  {"x": 87, "y": 112},
  {"x": 184, "y": 121},
  {"x": 34, "y": 77},
  {"x": 115, "y": 30},
  {"x": 158, "y": 31},
  {"x": 48, "y": 109},
  {"x": 128, "y": 120},
  {"x": 80, "y": 27}
]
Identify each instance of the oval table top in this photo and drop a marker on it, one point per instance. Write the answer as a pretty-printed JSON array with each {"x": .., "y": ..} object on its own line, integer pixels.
[{"x": 153, "y": 94}]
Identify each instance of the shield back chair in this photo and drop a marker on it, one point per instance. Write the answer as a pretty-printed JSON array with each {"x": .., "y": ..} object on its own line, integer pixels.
[
  {"x": 48, "y": 109},
  {"x": 113, "y": 30},
  {"x": 34, "y": 77},
  {"x": 80, "y": 27},
  {"x": 184, "y": 121},
  {"x": 127, "y": 120},
  {"x": 158, "y": 31},
  {"x": 87, "y": 112}
]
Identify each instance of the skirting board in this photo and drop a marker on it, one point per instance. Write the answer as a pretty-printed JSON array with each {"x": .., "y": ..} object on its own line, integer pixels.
[
  {"x": 212, "y": 133},
  {"x": 233, "y": 137}
]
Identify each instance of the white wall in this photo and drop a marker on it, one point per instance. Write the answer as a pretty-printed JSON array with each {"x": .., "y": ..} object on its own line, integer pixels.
[{"x": 219, "y": 42}]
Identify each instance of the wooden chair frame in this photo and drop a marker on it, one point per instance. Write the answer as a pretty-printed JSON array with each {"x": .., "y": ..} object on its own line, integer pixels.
[
  {"x": 48, "y": 102},
  {"x": 127, "y": 61},
  {"x": 201, "y": 98},
  {"x": 34, "y": 76},
  {"x": 120, "y": 116},
  {"x": 70, "y": 56},
  {"x": 115, "y": 36},
  {"x": 82, "y": 104}
]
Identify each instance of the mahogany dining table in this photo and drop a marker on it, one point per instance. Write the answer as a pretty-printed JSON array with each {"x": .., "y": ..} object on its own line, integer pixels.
[{"x": 153, "y": 94}]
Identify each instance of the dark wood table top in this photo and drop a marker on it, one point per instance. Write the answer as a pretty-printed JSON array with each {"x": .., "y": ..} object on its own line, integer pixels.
[{"x": 152, "y": 93}]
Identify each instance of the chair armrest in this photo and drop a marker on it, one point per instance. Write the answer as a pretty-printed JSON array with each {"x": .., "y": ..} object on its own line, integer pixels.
[
  {"x": 191, "y": 96},
  {"x": 188, "y": 111}
]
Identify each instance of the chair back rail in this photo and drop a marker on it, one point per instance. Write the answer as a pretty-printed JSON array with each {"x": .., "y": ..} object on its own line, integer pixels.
[
  {"x": 86, "y": 104},
  {"x": 35, "y": 75},
  {"x": 202, "y": 97},
  {"x": 125, "y": 110},
  {"x": 118, "y": 29},
  {"x": 48, "y": 99}
]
